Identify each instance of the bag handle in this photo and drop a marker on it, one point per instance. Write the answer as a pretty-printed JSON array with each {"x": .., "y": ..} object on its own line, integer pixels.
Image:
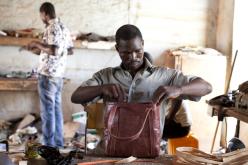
[{"x": 133, "y": 137}]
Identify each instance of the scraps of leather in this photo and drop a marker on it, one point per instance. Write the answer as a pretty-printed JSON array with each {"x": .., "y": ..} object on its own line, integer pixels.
[
  {"x": 132, "y": 129},
  {"x": 193, "y": 156}
]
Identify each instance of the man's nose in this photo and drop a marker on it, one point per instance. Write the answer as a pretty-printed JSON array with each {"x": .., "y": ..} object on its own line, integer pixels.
[{"x": 134, "y": 55}]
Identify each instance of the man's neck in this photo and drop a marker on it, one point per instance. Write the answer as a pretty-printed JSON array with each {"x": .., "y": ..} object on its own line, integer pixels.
[{"x": 133, "y": 73}]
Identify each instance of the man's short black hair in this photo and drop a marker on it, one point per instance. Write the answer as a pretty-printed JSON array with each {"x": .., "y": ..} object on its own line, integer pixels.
[
  {"x": 127, "y": 32},
  {"x": 48, "y": 9}
]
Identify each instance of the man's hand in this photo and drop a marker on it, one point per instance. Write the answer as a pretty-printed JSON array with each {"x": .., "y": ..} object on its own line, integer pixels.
[
  {"x": 33, "y": 44},
  {"x": 70, "y": 51},
  {"x": 166, "y": 92},
  {"x": 32, "y": 49},
  {"x": 113, "y": 92}
]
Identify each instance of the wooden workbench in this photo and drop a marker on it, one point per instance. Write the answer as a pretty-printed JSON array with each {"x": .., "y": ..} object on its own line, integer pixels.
[
  {"x": 230, "y": 112},
  {"x": 168, "y": 160}
]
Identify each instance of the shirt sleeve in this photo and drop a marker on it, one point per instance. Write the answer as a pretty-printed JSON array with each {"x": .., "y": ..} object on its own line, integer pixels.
[
  {"x": 54, "y": 36},
  {"x": 94, "y": 81},
  {"x": 179, "y": 79}
]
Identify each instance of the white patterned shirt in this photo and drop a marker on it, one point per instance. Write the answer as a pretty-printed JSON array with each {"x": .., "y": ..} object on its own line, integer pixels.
[{"x": 55, "y": 34}]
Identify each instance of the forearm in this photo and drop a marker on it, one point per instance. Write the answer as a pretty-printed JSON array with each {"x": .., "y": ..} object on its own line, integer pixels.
[
  {"x": 49, "y": 49},
  {"x": 197, "y": 87},
  {"x": 175, "y": 106},
  {"x": 85, "y": 94}
]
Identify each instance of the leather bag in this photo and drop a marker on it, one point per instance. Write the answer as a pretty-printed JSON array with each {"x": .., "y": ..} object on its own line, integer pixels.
[{"x": 132, "y": 129}]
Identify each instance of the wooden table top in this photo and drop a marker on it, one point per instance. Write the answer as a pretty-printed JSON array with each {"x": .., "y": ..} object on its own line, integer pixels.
[{"x": 168, "y": 160}]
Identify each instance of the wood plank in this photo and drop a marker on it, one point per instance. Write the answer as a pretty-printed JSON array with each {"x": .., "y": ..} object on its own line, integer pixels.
[
  {"x": 15, "y": 84},
  {"x": 14, "y": 41},
  {"x": 230, "y": 112},
  {"x": 9, "y": 84},
  {"x": 238, "y": 115}
]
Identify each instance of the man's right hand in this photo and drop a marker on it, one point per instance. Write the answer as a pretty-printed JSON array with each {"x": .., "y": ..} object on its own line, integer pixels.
[
  {"x": 33, "y": 50},
  {"x": 113, "y": 92}
]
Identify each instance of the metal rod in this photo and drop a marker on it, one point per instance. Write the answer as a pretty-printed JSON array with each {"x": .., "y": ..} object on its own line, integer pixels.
[
  {"x": 223, "y": 134},
  {"x": 215, "y": 133},
  {"x": 230, "y": 75}
]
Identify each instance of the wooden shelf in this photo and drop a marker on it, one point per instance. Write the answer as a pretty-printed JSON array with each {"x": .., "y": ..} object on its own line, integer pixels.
[
  {"x": 14, "y": 84},
  {"x": 100, "y": 45},
  {"x": 18, "y": 84}
]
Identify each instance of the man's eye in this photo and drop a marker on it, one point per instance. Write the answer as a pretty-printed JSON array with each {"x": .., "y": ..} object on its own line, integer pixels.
[{"x": 125, "y": 53}]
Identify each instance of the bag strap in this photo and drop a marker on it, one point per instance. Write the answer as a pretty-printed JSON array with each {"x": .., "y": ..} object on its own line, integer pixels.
[{"x": 133, "y": 137}]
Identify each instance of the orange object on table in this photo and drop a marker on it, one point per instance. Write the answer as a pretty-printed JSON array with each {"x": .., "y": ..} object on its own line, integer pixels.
[{"x": 188, "y": 141}]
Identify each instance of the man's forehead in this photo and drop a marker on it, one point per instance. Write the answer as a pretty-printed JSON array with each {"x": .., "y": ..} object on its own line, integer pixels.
[{"x": 135, "y": 43}]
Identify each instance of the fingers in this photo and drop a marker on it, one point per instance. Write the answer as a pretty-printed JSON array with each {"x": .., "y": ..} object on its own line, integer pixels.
[
  {"x": 121, "y": 93},
  {"x": 159, "y": 95},
  {"x": 114, "y": 91},
  {"x": 165, "y": 92}
]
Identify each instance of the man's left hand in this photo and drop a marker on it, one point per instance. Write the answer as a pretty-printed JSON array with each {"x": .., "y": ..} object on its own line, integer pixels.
[{"x": 166, "y": 92}]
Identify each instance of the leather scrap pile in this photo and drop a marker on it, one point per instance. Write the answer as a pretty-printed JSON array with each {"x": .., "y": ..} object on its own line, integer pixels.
[
  {"x": 28, "y": 33},
  {"x": 193, "y": 50},
  {"x": 93, "y": 37},
  {"x": 19, "y": 74},
  {"x": 243, "y": 87},
  {"x": 189, "y": 155}
]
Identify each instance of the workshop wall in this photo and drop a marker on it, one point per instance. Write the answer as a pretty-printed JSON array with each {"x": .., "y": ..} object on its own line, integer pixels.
[{"x": 99, "y": 16}]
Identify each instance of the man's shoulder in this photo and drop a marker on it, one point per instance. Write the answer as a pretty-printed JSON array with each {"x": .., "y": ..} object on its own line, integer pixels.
[
  {"x": 107, "y": 70},
  {"x": 164, "y": 69},
  {"x": 57, "y": 26}
]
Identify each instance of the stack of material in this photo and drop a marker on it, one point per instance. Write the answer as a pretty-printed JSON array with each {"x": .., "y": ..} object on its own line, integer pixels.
[
  {"x": 174, "y": 57},
  {"x": 189, "y": 155},
  {"x": 27, "y": 33},
  {"x": 93, "y": 37},
  {"x": 193, "y": 50}
]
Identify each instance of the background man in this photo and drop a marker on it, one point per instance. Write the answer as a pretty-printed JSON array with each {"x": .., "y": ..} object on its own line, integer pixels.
[{"x": 53, "y": 51}]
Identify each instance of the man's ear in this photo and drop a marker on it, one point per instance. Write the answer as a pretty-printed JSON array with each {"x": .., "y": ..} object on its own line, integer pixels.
[{"x": 142, "y": 42}]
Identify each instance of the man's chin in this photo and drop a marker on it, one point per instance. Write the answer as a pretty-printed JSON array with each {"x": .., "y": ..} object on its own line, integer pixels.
[{"x": 134, "y": 67}]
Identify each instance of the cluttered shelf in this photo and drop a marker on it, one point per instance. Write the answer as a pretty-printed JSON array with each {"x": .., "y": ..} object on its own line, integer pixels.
[{"x": 22, "y": 41}]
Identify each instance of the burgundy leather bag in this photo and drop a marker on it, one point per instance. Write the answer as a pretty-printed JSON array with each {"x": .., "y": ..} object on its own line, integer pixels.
[{"x": 132, "y": 129}]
